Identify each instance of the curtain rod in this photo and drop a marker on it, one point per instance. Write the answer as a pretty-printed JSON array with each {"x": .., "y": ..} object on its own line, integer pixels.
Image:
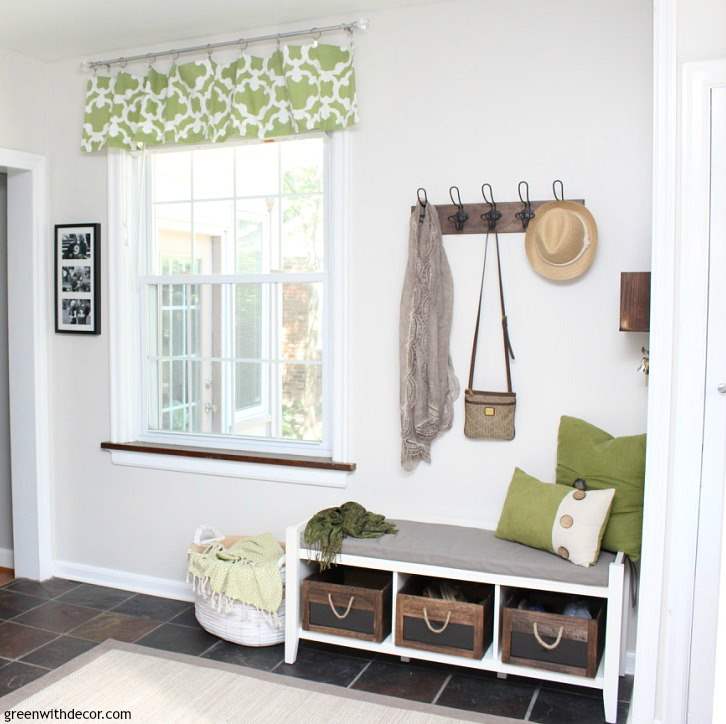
[{"x": 361, "y": 24}]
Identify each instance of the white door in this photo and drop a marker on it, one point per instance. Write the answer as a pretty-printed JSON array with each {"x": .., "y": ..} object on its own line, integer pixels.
[{"x": 708, "y": 646}]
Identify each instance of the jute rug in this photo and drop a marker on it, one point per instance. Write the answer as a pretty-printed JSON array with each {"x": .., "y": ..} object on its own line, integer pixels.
[{"x": 156, "y": 686}]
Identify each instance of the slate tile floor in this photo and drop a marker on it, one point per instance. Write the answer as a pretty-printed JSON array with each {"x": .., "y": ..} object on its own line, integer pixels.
[{"x": 44, "y": 625}]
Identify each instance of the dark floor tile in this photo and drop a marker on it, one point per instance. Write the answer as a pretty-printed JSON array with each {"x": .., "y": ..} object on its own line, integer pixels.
[
  {"x": 625, "y": 689},
  {"x": 186, "y": 618},
  {"x": 95, "y": 596},
  {"x": 12, "y": 604},
  {"x": 256, "y": 657},
  {"x": 43, "y": 589},
  {"x": 112, "y": 625},
  {"x": 58, "y": 652},
  {"x": 488, "y": 695},
  {"x": 181, "y": 639},
  {"x": 57, "y": 617},
  {"x": 325, "y": 666},
  {"x": 16, "y": 641},
  {"x": 335, "y": 649},
  {"x": 158, "y": 609},
  {"x": 15, "y": 675},
  {"x": 407, "y": 681},
  {"x": 559, "y": 707}
]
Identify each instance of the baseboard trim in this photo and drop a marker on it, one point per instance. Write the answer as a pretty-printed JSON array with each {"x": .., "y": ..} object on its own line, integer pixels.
[
  {"x": 630, "y": 662},
  {"x": 139, "y": 583},
  {"x": 7, "y": 559}
]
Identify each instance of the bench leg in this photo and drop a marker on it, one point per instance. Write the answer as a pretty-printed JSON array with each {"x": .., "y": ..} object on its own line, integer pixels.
[
  {"x": 293, "y": 574},
  {"x": 613, "y": 631},
  {"x": 610, "y": 702}
]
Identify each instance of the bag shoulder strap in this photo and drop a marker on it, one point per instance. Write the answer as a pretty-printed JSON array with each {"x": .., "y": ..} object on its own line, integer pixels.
[{"x": 505, "y": 328}]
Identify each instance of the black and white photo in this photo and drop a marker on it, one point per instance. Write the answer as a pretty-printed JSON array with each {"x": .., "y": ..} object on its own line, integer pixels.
[
  {"x": 77, "y": 277},
  {"x": 77, "y": 312}
]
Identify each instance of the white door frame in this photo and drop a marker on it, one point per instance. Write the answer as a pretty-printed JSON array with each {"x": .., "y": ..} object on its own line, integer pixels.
[
  {"x": 29, "y": 249},
  {"x": 680, "y": 260}
]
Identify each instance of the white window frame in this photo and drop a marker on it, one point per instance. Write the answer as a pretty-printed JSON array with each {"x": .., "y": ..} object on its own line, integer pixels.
[{"x": 126, "y": 268}]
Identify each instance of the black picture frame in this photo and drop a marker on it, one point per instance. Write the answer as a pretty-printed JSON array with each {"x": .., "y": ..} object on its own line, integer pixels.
[{"x": 77, "y": 278}]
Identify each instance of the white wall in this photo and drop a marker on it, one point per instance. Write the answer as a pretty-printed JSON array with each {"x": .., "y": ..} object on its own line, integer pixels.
[
  {"x": 552, "y": 90},
  {"x": 24, "y": 109},
  {"x": 6, "y": 521}
]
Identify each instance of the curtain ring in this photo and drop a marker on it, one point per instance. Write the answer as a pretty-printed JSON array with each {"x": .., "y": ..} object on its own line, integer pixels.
[
  {"x": 175, "y": 58},
  {"x": 316, "y": 37},
  {"x": 561, "y": 197},
  {"x": 209, "y": 52},
  {"x": 123, "y": 63},
  {"x": 152, "y": 60},
  {"x": 242, "y": 46}
]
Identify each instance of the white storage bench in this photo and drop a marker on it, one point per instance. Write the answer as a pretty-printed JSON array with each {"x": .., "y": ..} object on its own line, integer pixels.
[{"x": 469, "y": 554}]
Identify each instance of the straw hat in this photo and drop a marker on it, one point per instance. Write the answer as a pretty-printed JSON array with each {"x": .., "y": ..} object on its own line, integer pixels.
[{"x": 561, "y": 240}]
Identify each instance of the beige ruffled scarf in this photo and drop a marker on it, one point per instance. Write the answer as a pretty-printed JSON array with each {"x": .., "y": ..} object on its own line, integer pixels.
[{"x": 428, "y": 383}]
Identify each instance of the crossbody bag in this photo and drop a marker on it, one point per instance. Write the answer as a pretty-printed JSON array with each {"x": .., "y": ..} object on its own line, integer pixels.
[{"x": 490, "y": 415}]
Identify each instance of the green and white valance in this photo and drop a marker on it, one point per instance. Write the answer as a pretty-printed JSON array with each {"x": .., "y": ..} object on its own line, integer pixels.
[{"x": 295, "y": 90}]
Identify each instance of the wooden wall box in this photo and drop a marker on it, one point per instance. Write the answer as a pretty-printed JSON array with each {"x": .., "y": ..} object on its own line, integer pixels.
[
  {"x": 572, "y": 645},
  {"x": 446, "y": 627},
  {"x": 635, "y": 302},
  {"x": 353, "y": 602}
]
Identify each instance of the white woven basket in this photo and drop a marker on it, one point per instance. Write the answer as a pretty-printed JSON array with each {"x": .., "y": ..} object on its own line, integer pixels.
[{"x": 238, "y": 622}]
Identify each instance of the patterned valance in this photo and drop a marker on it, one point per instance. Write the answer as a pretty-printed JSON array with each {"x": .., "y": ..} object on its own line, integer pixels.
[{"x": 295, "y": 90}]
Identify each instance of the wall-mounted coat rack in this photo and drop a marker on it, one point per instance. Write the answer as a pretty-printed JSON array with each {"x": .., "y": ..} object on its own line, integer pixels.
[{"x": 471, "y": 218}]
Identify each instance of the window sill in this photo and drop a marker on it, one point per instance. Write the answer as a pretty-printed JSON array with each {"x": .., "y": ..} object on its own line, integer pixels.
[{"x": 321, "y": 472}]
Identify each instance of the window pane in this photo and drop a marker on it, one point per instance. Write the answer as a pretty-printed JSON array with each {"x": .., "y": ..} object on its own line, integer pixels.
[
  {"x": 251, "y": 305},
  {"x": 257, "y": 235},
  {"x": 214, "y": 237},
  {"x": 302, "y": 233},
  {"x": 172, "y": 176},
  {"x": 302, "y": 406},
  {"x": 214, "y": 173},
  {"x": 257, "y": 169},
  {"x": 302, "y": 313},
  {"x": 302, "y": 166},
  {"x": 173, "y": 237}
]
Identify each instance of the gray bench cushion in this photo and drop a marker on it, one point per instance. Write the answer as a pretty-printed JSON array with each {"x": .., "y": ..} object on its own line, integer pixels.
[{"x": 475, "y": 549}]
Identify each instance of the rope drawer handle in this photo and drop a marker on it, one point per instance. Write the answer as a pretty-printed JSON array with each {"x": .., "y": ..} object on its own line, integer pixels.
[
  {"x": 543, "y": 643},
  {"x": 340, "y": 616},
  {"x": 431, "y": 627}
]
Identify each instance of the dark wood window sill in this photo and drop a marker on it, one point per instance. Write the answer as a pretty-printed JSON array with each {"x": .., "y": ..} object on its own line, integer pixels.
[{"x": 229, "y": 455}]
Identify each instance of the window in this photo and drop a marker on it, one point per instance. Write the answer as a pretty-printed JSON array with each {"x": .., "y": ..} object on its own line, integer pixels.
[{"x": 236, "y": 297}]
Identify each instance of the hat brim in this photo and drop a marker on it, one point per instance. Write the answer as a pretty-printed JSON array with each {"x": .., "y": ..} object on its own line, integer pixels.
[{"x": 577, "y": 267}]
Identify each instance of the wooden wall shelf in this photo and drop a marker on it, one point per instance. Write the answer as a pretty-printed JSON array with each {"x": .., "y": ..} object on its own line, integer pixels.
[
  {"x": 635, "y": 302},
  {"x": 508, "y": 224}
]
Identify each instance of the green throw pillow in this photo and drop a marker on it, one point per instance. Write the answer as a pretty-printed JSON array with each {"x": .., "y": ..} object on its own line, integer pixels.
[
  {"x": 555, "y": 518},
  {"x": 603, "y": 461}
]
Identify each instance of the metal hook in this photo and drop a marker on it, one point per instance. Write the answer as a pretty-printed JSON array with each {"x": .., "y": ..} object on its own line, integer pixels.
[
  {"x": 152, "y": 59},
  {"x": 493, "y": 214},
  {"x": 175, "y": 58},
  {"x": 316, "y": 37},
  {"x": 423, "y": 202},
  {"x": 209, "y": 52},
  {"x": 526, "y": 214},
  {"x": 561, "y": 197},
  {"x": 242, "y": 45},
  {"x": 460, "y": 217}
]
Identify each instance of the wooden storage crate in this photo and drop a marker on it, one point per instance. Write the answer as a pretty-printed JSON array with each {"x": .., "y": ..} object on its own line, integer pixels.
[
  {"x": 344, "y": 601},
  {"x": 552, "y": 641},
  {"x": 448, "y": 627}
]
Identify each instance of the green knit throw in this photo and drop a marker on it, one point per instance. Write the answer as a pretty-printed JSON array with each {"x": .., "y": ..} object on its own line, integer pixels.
[{"x": 325, "y": 531}]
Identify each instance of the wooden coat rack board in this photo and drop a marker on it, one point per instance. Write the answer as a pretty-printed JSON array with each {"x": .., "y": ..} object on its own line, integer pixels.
[{"x": 508, "y": 224}]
